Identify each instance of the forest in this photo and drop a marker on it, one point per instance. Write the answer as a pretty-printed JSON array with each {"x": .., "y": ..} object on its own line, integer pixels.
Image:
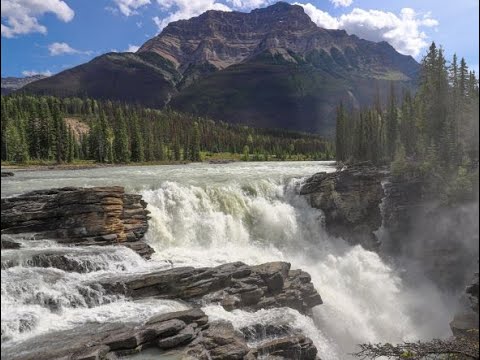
[
  {"x": 65, "y": 130},
  {"x": 434, "y": 131}
]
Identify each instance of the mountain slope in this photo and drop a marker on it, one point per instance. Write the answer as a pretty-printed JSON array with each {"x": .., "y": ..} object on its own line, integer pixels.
[
  {"x": 10, "y": 84},
  {"x": 272, "y": 67}
]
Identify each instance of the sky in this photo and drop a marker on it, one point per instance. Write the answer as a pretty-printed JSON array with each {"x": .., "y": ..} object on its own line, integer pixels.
[{"x": 49, "y": 36}]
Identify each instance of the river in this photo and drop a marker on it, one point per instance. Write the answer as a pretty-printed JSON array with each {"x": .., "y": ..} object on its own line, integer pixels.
[{"x": 203, "y": 215}]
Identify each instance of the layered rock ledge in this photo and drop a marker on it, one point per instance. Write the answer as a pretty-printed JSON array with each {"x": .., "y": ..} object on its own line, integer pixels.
[
  {"x": 79, "y": 216},
  {"x": 350, "y": 200},
  {"x": 233, "y": 285},
  {"x": 185, "y": 335}
]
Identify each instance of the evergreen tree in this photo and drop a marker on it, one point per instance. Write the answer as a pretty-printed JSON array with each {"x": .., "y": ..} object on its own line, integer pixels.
[
  {"x": 391, "y": 125},
  {"x": 121, "y": 146},
  {"x": 137, "y": 141}
]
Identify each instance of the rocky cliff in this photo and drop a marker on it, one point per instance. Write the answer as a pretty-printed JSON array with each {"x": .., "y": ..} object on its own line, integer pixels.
[
  {"x": 272, "y": 67},
  {"x": 350, "y": 201},
  {"x": 418, "y": 230}
]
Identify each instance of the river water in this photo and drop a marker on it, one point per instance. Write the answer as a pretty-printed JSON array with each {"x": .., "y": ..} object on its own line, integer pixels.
[{"x": 205, "y": 215}]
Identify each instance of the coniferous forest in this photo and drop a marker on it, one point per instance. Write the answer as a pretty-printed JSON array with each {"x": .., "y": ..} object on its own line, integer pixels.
[
  {"x": 44, "y": 128},
  {"x": 434, "y": 131}
]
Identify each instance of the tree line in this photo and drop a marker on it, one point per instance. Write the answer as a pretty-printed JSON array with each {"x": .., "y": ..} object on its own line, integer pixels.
[
  {"x": 34, "y": 128},
  {"x": 435, "y": 130}
]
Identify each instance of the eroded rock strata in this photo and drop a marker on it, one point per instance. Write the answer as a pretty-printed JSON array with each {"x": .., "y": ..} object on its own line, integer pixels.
[
  {"x": 79, "y": 216},
  {"x": 350, "y": 201},
  {"x": 233, "y": 285}
]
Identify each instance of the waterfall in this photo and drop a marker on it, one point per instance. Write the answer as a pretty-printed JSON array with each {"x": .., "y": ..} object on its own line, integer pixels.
[{"x": 206, "y": 215}]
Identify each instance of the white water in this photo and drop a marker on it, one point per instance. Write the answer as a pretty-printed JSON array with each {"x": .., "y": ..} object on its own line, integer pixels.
[{"x": 204, "y": 215}]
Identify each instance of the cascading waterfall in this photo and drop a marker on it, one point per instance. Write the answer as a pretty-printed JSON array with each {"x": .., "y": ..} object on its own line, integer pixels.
[
  {"x": 364, "y": 299},
  {"x": 208, "y": 215}
]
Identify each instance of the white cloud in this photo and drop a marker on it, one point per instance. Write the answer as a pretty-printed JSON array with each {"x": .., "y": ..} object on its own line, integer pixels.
[
  {"x": 132, "y": 48},
  {"x": 403, "y": 31},
  {"x": 21, "y": 16},
  {"x": 61, "y": 48},
  {"x": 343, "y": 3},
  {"x": 249, "y": 4},
  {"x": 185, "y": 9},
  {"x": 129, "y": 7},
  {"x": 319, "y": 17},
  {"x": 33, "y": 73}
]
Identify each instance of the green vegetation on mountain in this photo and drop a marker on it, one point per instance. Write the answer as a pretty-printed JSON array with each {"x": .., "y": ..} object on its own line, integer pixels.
[
  {"x": 63, "y": 130},
  {"x": 270, "y": 68}
]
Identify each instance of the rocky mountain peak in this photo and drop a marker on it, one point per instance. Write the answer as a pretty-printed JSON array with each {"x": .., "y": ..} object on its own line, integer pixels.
[{"x": 225, "y": 38}]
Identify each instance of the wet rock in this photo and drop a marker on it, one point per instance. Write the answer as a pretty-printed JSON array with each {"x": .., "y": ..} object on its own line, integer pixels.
[
  {"x": 93, "y": 353},
  {"x": 187, "y": 332},
  {"x": 86, "y": 216},
  {"x": 184, "y": 336},
  {"x": 466, "y": 322},
  {"x": 350, "y": 201},
  {"x": 291, "y": 348},
  {"x": 234, "y": 286},
  {"x": 187, "y": 316},
  {"x": 258, "y": 332},
  {"x": 9, "y": 244},
  {"x": 219, "y": 342}
]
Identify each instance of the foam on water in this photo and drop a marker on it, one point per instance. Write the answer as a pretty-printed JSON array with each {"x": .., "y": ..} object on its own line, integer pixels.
[
  {"x": 206, "y": 215},
  {"x": 364, "y": 299}
]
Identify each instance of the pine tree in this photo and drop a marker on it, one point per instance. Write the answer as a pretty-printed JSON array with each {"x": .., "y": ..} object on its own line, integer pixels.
[
  {"x": 195, "y": 143},
  {"x": 391, "y": 125},
  {"x": 122, "y": 152},
  {"x": 137, "y": 141}
]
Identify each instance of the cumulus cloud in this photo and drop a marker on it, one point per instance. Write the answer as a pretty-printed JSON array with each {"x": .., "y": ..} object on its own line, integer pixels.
[
  {"x": 343, "y": 3},
  {"x": 132, "y": 48},
  {"x": 20, "y": 17},
  {"x": 250, "y": 4},
  {"x": 185, "y": 9},
  {"x": 33, "y": 73},
  {"x": 129, "y": 7},
  {"x": 62, "y": 48},
  {"x": 319, "y": 17},
  {"x": 402, "y": 31}
]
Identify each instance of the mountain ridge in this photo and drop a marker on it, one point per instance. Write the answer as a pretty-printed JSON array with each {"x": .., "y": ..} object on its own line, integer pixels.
[
  {"x": 12, "y": 83},
  {"x": 244, "y": 67}
]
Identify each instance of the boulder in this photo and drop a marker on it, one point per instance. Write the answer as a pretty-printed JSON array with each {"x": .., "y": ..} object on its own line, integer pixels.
[
  {"x": 219, "y": 342},
  {"x": 291, "y": 348},
  {"x": 7, "y": 174}
]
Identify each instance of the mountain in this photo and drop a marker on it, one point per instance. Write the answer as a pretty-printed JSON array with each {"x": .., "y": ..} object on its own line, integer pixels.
[
  {"x": 10, "y": 84},
  {"x": 272, "y": 67}
]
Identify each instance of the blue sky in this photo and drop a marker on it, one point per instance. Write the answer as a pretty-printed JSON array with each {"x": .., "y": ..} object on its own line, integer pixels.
[{"x": 50, "y": 36}]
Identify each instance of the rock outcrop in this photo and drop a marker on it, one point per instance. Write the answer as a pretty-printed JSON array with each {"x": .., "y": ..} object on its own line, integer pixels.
[
  {"x": 188, "y": 333},
  {"x": 79, "y": 216},
  {"x": 466, "y": 321},
  {"x": 233, "y": 285},
  {"x": 350, "y": 200}
]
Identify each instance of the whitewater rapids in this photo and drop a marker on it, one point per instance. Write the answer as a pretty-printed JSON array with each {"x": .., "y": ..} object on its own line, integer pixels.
[{"x": 206, "y": 215}]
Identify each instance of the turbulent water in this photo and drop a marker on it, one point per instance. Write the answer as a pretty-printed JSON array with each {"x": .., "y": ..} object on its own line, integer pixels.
[{"x": 204, "y": 215}]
